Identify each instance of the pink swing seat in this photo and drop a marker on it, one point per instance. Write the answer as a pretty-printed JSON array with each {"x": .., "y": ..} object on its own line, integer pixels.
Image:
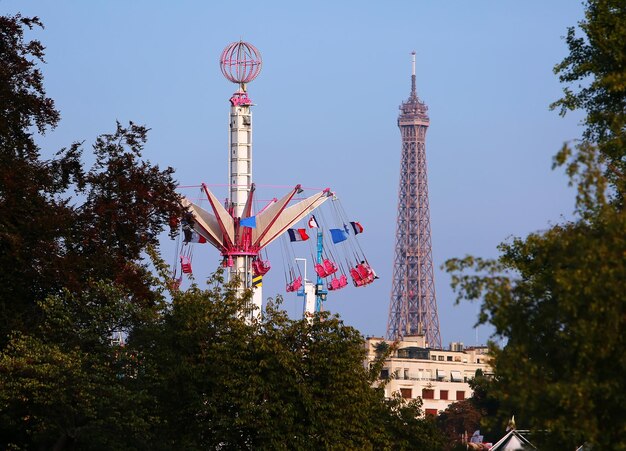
[
  {"x": 326, "y": 268},
  {"x": 295, "y": 285},
  {"x": 260, "y": 267},
  {"x": 185, "y": 265},
  {"x": 338, "y": 283}
]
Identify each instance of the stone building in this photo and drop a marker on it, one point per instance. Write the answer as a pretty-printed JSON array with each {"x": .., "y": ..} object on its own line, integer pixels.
[{"x": 439, "y": 377}]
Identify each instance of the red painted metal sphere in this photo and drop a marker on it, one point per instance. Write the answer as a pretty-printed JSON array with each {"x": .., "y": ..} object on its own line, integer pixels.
[{"x": 240, "y": 62}]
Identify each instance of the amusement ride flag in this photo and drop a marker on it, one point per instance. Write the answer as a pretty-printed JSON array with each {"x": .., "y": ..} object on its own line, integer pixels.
[
  {"x": 297, "y": 234},
  {"x": 248, "y": 222},
  {"x": 356, "y": 227},
  {"x": 313, "y": 223},
  {"x": 197, "y": 238},
  {"x": 338, "y": 235}
]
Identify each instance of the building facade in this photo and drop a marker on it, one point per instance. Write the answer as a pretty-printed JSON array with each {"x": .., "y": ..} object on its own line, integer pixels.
[{"x": 439, "y": 377}]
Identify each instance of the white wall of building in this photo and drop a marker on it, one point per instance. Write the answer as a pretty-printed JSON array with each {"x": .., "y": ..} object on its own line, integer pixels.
[{"x": 439, "y": 377}]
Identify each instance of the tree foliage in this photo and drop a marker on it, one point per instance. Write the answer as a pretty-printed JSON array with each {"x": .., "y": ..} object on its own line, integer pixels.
[
  {"x": 65, "y": 385},
  {"x": 194, "y": 374},
  {"x": 276, "y": 383},
  {"x": 28, "y": 188},
  {"x": 479, "y": 412},
  {"x": 557, "y": 298},
  {"x": 458, "y": 419},
  {"x": 62, "y": 224},
  {"x": 561, "y": 311},
  {"x": 407, "y": 428},
  {"x": 594, "y": 75}
]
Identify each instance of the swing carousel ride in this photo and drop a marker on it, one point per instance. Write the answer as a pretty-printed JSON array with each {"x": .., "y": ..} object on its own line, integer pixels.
[{"x": 241, "y": 231}]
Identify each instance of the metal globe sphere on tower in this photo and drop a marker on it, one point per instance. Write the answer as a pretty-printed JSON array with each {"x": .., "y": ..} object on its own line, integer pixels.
[{"x": 241, "y": 63}]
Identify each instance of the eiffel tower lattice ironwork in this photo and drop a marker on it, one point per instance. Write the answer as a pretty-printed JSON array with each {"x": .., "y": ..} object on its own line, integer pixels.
[{"x": 413, "y": 306}]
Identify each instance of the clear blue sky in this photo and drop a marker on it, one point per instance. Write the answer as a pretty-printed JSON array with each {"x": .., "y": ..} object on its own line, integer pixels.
[{"x": 327, "y": 102}]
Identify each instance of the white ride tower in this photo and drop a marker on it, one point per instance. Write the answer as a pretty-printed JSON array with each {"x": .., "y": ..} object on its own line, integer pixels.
[
  {"x": 240, "y": 146},
  {"x": 234, "y": 228}
]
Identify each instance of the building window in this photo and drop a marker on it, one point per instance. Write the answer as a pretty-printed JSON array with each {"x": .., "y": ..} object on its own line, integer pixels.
[
  {"x": 406, "y": 393},
  {"x": 434, "y": 357},
  {"x": 449, "y": 358},
  {"x": 460, "y": 395},
  {"x": 443, "y": 394},
  {"x": 431, "y": 412},
  {"x": 384, "y": 373},
  {"x": 441, "y": 358},
  {"x": 428, "y": 393},
  {"x": 477, "y": 360},
  {"x": 406, "y": 373}
]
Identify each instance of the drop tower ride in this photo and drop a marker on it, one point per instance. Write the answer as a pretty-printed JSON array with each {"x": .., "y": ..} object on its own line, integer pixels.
[{"x": 413, "y": 305}]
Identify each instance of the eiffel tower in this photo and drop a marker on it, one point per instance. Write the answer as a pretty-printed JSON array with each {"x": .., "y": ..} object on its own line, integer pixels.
[{"x": 413, "y": 306}]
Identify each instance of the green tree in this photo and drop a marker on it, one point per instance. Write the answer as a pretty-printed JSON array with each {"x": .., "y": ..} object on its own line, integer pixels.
[
  {"x": 72, "y": 243},
  {"x": 196, "y": 360},
  {"x": 193, "y": 374},
  {"x": 66, "y": 385},
  {"x": 557, "y": 298},
  {"x": 406, "y": 428},
  {"x": 594, "y": 75},
  {"x": 459, "y": 418},
  {"x": 127, "y": 204},
  {"x": 277, "y": 383},
  {"x": 62, "y": 224},
  {"x": 493, "y": 417},
  {"x": 481, "y": 411},
  {"x": 33, "y": 215}
]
